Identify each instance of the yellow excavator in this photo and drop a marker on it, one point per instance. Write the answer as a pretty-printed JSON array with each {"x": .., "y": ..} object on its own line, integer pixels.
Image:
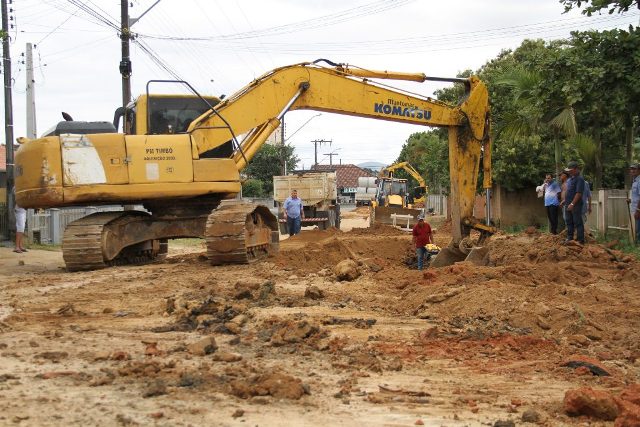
[
  {"x": 186, "y": 171},
  {"x": 393, "y": 202},
  {"x": 418, "y": 195}
]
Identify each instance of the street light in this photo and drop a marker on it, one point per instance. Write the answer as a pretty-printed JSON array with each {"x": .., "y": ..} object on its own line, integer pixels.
[{"x": 303, "y": 125}]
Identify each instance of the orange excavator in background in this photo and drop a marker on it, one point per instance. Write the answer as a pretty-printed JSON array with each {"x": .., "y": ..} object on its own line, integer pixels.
[{"x": 181, "y": 159}]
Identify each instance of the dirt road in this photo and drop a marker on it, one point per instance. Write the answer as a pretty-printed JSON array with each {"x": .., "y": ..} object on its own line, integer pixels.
[{"x": 283, "y": 342}]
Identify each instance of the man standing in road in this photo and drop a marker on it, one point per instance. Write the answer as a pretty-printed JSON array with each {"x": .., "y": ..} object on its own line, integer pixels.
[
  {"x": 422, "y": 236},
  {"x": 552, "y": 192},
  {"x": 634, "y": 205},
  {"x": 293, "y": 213},
  {"x": 575, "y": 191}
]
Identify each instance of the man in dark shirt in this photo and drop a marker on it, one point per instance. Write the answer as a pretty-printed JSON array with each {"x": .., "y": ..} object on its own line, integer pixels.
[
  {"x": 422, "y": 236},
  {"x": 575, "y": 190}
]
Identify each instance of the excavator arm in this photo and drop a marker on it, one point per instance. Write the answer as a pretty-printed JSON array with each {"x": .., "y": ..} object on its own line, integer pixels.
[
  {"x": 257, "y": 110},
  {"x": 409, "y": 169}
]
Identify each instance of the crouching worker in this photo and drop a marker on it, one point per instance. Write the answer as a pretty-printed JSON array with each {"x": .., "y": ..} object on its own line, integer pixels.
[{"x": 422, "y": 236}]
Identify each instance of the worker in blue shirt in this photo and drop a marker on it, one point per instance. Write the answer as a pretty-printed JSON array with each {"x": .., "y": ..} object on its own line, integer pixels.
[
  {"x": 293, "y": 213},
  {"x": 552, "y": 192},
  {"x": 575, "y": 192}
]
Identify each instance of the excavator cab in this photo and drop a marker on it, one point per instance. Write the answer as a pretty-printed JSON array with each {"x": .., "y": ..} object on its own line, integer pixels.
[{"x": 153, "y": 114}]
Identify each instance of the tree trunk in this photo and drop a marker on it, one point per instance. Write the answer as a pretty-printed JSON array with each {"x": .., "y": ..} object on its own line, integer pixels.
[
  {"x": 628, "y": 138},
  {"x": 597, "y": 138},
  {"x": 556, "y": 150}
]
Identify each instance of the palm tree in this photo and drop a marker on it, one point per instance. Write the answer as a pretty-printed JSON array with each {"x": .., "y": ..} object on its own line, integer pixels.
[{"x": 530, "y": 116}]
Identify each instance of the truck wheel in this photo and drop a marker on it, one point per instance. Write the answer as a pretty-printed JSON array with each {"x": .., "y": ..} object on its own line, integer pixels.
[
  {"x": 324, "y": 224},
  {"x": 283, "y": 228}
]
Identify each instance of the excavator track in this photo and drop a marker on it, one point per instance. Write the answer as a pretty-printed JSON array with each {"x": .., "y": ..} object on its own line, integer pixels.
[
  {"x": 240, "y": 233},
  {"x": 84, "y": 240}
]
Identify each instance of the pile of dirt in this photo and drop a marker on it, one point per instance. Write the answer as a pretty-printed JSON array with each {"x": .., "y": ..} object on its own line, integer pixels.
[
  {"x": 359, "y": 212},
  {"x": 535, "y": 285},
  {"x": 378, "y": 230}
]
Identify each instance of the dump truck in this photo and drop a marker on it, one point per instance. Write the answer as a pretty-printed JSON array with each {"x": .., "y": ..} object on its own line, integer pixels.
[
  {"x": 318, "y": 192},
  {"x": 186, "y": 173}
]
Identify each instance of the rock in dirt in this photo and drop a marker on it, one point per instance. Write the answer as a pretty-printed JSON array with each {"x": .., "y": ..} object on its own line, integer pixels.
[
  {"x": 225, "y": 356},
  {"x": 346, "y": 270},
  {"x": 54, "y": 356},
  {"x": 155, "y": 388},
  {"x": 504, "y": 423},
  {"x": 530, "y": 416},
  {"x": 274, "y": 384},
  {"x": 593, "y": 366},
  {"x": 593, "y": 403},
  {"x": 203, "y": 347},
  {"x": 267, "y": 289},
  {"x": 293, "y": 332},
  {"x": 313, "y": 292},
  {"x": 238, "y": 413}
]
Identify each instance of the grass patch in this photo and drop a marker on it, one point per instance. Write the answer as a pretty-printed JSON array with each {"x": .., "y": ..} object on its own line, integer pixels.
[
  {"x": 514, "y": 229},
  {"x": 42, "y": 247},
  {"x": 629, "y": 248}
]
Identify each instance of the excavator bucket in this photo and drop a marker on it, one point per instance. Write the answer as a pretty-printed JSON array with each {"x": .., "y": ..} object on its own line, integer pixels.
[
  {"x": 400, "y": 217},
  {"x": 447, "y": 256},
  {"x": 478, "y": 255}
]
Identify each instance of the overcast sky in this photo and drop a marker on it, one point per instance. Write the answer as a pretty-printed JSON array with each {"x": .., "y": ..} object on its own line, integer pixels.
[{"x": 220, "y": 45}]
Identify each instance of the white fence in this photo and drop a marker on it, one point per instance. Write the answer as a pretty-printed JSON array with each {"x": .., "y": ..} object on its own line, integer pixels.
[
  {"x": 610, "y": 216},
  {"x": 437, "y": 202},
  {"x": 46, "y": 226}
]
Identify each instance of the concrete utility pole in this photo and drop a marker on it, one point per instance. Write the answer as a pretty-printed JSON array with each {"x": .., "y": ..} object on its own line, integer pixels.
[
  {"x": 8, "y": 119},
  {"x": 331, "y": 156},
  {"x": 126, "y": 68},
  {"x": 315, "y": 148},
  {"x": 125, "y": 62},
  {"x": 31, "y": 95},
  {"x": 283, "y": 155}
]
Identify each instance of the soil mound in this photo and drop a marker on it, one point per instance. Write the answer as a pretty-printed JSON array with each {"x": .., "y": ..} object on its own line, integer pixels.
[
  {"x": 536, "y": 285},
  {"x": 378, "y": 230}
]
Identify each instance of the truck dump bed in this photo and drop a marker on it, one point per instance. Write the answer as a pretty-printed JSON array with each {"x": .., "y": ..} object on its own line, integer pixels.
[{"x": 313, "y": 188}]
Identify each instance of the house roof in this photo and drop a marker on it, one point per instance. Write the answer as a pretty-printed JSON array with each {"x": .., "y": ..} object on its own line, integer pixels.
[{"x": 346, "y": 175}]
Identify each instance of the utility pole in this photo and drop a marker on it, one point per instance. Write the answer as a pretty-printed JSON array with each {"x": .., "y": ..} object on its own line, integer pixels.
[
  {"x": 125, "y": 62},
  {"x": 315, "y": 146},
  {"x": 331, "y": 157},
  {"x": 126, "y": 68},
  {"x": 31, "y": 95},
  {"x": 283, "y": 155},
  {"x": 8, "y": 119}
]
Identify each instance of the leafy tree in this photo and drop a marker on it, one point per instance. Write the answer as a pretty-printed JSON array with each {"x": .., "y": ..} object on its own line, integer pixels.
[
  {"x": 530, "y": 116},
  {"x": 597, "y": 73},
  {"x": 428, "y": 153},
  {"x": 619, "y": 6},
  {"x": 253, "y": 188},
  {"x": 268, "y": 162}
]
